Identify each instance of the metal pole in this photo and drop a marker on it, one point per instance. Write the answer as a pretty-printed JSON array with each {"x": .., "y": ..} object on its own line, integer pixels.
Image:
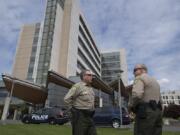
[{"x": 120, "y": 103}]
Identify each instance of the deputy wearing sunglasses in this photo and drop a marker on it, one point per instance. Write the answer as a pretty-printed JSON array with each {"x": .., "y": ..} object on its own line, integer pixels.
[
  {"x": 145, "y": 103},
  {"x": 80, "y": 99}
]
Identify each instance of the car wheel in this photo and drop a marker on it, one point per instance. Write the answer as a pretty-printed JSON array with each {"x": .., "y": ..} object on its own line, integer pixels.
[
  {"x": 52, "y": 121},
  {"x": 26, "y": 121},
  {"x": 115, "y": 123}
]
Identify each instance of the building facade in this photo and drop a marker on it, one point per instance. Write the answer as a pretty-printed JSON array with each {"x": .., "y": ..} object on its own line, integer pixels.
[
  {"x": 25, "y": 51},
  {"x": 171, "y": 97},
  {"x": 112, "y": 64},
  {"x": 63, "y": 43}
]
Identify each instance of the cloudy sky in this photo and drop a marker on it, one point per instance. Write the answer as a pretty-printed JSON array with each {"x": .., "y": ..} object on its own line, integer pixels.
[{"x": 149, "y": 30}]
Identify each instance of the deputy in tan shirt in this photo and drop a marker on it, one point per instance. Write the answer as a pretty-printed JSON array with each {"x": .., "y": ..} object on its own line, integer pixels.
[
  {"x": 146, "y": 103},
  {"x": 80, "y": 99},
  {"x": 80, "y": 96}
]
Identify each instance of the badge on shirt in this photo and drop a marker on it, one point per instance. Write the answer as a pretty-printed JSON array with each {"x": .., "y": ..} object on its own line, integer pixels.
[{"x": 85, "y": 93}]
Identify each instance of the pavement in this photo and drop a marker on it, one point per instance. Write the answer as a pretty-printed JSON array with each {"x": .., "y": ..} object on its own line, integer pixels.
[
  {"x": 174, "y": 125},
  {"x": 10, "y": 122}
]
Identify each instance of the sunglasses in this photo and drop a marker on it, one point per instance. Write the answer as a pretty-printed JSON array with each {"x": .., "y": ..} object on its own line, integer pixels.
[
  {"x": 137, "y": 69},
  {"x": 88, "y": 74}
]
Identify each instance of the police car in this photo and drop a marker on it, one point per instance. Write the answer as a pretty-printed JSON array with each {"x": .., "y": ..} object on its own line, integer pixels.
[{"x": 47, "y": 115}]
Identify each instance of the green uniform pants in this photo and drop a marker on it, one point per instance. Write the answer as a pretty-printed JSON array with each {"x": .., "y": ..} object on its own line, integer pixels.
[
  {"x": 149, "y": 125},
  {"x": 82, "y": 124}
]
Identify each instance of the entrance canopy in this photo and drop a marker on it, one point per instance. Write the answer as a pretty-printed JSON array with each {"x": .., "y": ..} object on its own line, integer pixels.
[
  {"x": 115, "y": 85},
  {"x": 36, "y": 94},
  {"x": 25, "y": 90},
  {"x": 58, "y": 79}
]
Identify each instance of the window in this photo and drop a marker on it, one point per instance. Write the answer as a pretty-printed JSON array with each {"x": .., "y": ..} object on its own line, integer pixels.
[
  {"x": 34, "y": 48},
  {"x": 89, "y": 35},
  {"x": 111, "y": 65},
  {"x": 3, "y": 94},
  {"x": 37, "y": 30},
  {"x": 88, "y": 43},
  {"x": 88, "y": 53},
  {"x": 86, "y": 61},
  {"x": 80, "y": 66},
  {"x": 41, "y": 58},
  {"x": 61, "y": 2},
  {"x": 111, "y": 58}
]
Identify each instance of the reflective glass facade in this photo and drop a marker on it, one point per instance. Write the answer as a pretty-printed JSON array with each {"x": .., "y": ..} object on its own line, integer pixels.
[
  {"x": 47, "y": 39},
  {"x": 33, "y": 53},
  {"x": 110, "y": 66}
]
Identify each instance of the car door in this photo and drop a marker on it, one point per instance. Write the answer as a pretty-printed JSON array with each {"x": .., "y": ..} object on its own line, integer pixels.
[
  {"x": 44, "y": 115},
  {"x": 102, "y": 116},
  {"x": 97, "y": 116},
  {"x": 106, "y": 115},
  {"x": 35, "y": 116},
  {"x": 40, "y": 116}
]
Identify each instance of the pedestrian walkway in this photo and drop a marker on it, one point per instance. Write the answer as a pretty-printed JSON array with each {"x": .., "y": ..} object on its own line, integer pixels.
[{"x": 10, "y": 122}]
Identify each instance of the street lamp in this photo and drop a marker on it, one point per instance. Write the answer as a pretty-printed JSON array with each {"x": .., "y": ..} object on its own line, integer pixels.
[{"x": 119, "y": 96}]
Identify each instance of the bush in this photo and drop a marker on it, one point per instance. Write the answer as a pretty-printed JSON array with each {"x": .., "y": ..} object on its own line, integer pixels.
[{"x": 172, "y": 111}]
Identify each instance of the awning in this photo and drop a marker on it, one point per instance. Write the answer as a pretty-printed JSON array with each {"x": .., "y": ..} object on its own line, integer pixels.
[
  {"x": 115, "y": 85},
  {"x": 25, "y": 90},
  {"x": 101, "y": 85},
  {"x": 36, "y": 94},
  {"x": 58, "y": 79}
]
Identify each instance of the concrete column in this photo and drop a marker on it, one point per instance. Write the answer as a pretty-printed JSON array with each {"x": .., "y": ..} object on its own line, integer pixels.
[
  {"x": 7, "y": 103},
  {"x": 47, "y": 103},
  {"x": 15, "y": 114},
  {"x": 100, "y": 102},
  {"x": 30, "y": 109},
  {"x": 6, "y": 108},
  {"x": 100, "y": 99}
]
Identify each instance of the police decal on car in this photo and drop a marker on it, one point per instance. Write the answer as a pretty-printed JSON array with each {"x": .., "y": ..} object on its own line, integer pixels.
[{"x": 39, "y": 117}]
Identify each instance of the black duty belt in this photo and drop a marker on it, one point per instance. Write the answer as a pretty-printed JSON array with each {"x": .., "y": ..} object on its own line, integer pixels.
[
  {"x": 151, "y": 104},
  {"x": 86, "y": 112}
]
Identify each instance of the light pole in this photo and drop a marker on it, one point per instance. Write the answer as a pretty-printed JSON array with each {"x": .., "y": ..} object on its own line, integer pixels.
[{"x": 119, "y": 96}]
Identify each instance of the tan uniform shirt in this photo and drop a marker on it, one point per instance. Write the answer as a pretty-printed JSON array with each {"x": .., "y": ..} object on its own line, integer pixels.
[
  {"x": 80, "y": 96},
  {"x": 145, "y": 88}
]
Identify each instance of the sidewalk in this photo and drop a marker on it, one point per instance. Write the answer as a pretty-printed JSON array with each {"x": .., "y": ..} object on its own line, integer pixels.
[{"x": 10, "y": 122}]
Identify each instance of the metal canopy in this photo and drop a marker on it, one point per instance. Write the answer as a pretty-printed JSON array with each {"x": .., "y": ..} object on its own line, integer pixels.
[
  {"x": 25, "y": 90},
  {"x": 99, "y": 84},
  {"x": 115, "y": 85},
  {"x": 58, "y": 79},
  {"x": 36, "y": 94}
]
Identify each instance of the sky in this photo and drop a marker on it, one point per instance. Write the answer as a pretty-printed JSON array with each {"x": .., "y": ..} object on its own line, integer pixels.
[{"x": 149, "y": 30}]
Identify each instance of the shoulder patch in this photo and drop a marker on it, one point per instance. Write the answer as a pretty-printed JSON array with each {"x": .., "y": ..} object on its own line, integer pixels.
[
  {"x": 75, "y": 86},
  {"x": 137, "y": 79}
]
